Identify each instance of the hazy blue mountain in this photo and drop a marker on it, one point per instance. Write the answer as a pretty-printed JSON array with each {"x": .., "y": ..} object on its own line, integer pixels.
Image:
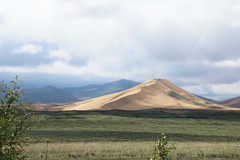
[
  {"x": 207, "y": 99},
  {"x": 48, "y": 94},
  {"x": 92, "y": 91}
]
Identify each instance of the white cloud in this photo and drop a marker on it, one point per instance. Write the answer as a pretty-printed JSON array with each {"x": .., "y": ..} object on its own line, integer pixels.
[
  {"x": 57, "y": 68},
  {"x": 59, "y": 54},
  {"x": 92, "y": 70},
  {"x": 233, "y": 88},
  {"x": 28, "y": 49},
  {"x": 227, "y": 63}
]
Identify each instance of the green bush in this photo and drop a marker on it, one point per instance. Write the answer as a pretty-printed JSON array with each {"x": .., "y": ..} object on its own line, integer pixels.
[
  {"x": 161, "y": 149},
  {"x": 15, "y": 119}
]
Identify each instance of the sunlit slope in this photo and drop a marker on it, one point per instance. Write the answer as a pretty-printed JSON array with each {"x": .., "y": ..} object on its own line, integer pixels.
[{"x": 155, "y": 93}]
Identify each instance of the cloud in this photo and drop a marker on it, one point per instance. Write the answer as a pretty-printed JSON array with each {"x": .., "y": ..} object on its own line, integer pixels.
[
  {"x": 192, "y": 43},
  {"x": 228, "y": 63},
  {"x": 57, "y": 68},
  {"x": 59, "y": 54},
  {"x": 28, "y": 49},
  {"x": 232, "y": 88}
]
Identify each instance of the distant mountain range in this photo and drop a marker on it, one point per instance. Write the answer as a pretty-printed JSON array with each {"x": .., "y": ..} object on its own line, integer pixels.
[
  {"x": 92, "y": 91},
  {"x": 155, "y": 93},
  {"x": 207, "y": 99},
  {"x": 48, "y": 94},
  {"x": 51, "y": 94}
]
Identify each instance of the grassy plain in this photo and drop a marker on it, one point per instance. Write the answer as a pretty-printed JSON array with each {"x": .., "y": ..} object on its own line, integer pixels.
[
  {"x": 130, "y": 150},
  {"x": 128, "y": 134}
]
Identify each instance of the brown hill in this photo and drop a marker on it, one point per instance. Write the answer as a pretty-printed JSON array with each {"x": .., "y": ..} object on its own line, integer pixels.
[
  {"x": 155, "y": 93},
  {"x": 234, "y": 102}
]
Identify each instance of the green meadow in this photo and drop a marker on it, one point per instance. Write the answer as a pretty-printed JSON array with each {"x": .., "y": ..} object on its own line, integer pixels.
[{"x": 129, "y": 134}]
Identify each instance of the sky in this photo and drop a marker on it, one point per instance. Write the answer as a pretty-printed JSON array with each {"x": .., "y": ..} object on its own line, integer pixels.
[{"x": 194, "y": 44}]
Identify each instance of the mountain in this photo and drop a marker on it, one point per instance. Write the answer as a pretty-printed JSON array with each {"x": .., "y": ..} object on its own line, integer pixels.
[
  {"x": 155, "y": 93},
  {"x": 206, "y": 99},
  {"x": 47, "y": 94},
  {"x": 233, "y": 102},
  {"x": 51, "y": 94},
  {"x": 92, "y": 91}
]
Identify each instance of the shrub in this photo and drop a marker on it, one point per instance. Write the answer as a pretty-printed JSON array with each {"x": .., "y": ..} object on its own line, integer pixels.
[
  {"x": 15, "y": 119},
  {"x": 161, "y": 149}
]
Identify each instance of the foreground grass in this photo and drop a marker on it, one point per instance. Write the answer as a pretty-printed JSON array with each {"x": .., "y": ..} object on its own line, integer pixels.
[
  {"x": 130, "y": 150},
  {"x": 128, "y": 134}
]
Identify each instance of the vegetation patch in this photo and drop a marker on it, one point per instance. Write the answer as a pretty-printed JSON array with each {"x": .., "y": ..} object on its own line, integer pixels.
[
  {"x": 200, "y": 104},
  {"x": 215, "y": 107},
  {"x": 177, "y": 96}
]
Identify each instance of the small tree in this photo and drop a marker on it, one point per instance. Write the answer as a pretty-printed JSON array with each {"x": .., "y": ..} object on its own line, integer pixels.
[
  {"x": 160, "y": 149},
  {"x": 15, "y": 119}
]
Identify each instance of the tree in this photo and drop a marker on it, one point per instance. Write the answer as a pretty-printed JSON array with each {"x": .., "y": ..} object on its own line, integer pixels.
[
  {"x": 161, "y": 149},
  {"x": 15, "y": 119}
]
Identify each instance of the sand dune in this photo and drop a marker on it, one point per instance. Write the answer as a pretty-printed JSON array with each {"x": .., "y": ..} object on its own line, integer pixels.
[{"x": 155, "y": 93}]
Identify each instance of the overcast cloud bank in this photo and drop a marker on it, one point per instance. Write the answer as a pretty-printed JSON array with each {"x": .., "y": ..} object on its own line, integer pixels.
[{"x": 194, "y": 44}]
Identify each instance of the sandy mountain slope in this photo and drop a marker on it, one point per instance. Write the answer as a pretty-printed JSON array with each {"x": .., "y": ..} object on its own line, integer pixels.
[
  {"x": 155, "y": 93},
  {"x": 234, "y": 102}
]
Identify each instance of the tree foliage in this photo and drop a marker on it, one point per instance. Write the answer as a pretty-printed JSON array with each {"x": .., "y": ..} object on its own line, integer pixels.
[{"x": 15, "y": 119}]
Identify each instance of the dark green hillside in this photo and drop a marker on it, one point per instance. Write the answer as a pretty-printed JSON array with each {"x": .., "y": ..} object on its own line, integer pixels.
[
  {"x": 92, "y": 91},
  {"x": 48, "y": 94}
]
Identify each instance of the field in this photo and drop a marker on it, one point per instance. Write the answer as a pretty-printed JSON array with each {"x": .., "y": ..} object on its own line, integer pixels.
[
  {"x": 128, "y": 134},
  {"x": 131, "y": 150}
]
